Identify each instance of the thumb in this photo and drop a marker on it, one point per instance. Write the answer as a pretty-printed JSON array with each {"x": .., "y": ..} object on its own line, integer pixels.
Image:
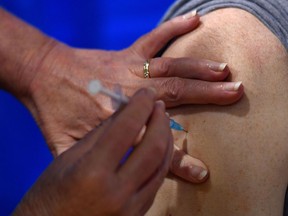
[{"x": 187, "y": 167}]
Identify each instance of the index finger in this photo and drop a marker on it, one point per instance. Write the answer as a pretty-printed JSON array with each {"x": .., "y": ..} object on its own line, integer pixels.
[
  {"x": 177, "y": 91},
  {"x": 123, "y": 130},
  {"x": 150, "y": 153}
]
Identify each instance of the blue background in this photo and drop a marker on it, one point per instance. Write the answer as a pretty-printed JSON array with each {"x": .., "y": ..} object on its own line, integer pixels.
[{"x": 79, "y": 23}]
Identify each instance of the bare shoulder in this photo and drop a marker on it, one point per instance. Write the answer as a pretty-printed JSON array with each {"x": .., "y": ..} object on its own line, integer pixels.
[
  {"x": 245, "y": 145},
  {"x": 229, "y": 31}
]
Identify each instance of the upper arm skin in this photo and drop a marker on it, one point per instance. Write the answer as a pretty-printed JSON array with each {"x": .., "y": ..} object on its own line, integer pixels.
[{"x": 245, "y": 145}]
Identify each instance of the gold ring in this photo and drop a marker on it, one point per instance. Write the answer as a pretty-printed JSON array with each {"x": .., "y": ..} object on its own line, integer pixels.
[{"x": 146, "y": 69}]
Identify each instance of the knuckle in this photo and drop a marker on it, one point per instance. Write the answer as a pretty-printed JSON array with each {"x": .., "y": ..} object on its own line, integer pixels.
[
  {"x": 203, "y": 92},
  {"x": 203, "y": 87},
  {"x": 164, "y": 67},
  {"x": 173, "y": 89}
]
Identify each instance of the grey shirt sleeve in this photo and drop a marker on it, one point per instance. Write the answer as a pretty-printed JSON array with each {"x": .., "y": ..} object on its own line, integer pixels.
[{"x": 272, "y": 13}]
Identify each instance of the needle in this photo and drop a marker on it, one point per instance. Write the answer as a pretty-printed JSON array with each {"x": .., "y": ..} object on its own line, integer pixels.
[{"x": 96, "y": 87}]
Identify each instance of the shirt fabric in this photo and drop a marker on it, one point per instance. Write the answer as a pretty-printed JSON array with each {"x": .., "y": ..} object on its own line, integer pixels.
[{"x": 272, "y": 13}]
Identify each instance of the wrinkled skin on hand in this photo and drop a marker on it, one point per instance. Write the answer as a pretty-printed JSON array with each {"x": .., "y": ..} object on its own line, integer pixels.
[{"x": 66, "y": 112}]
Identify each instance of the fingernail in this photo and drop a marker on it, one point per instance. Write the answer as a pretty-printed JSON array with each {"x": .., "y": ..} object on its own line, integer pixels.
[
  {"x": 198, "y": 173},
  {"x": 223, "y": 66},
  {"x": 167, "y": 114},
  {"x": 232, "y": 86},
  {"x": 217, "y": 67},
  {"x": 190, "y": 15}
]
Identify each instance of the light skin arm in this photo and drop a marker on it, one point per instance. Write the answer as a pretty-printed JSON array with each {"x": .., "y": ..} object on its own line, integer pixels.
[
  {"x": 245, "y": 144},
  {"x": 22, "y": 49}
]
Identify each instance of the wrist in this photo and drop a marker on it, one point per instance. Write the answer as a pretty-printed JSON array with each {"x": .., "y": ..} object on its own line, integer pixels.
[
  {"x": 44, "y": 74},
  {"x": 22, "y": 49},
  {"x": 30, "y": 68}
]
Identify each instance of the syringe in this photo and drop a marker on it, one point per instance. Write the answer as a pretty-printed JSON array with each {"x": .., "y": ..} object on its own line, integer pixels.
[{"x": 96, "y": 87}]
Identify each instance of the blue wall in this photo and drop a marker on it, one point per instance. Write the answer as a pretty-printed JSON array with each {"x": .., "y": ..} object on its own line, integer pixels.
[{"x": 88, "y": 24}]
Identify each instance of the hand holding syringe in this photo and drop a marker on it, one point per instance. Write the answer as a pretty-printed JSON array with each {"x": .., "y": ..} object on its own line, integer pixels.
[
  {"x": 200, "y": 174},
  {"x": 96, "y": 87}
]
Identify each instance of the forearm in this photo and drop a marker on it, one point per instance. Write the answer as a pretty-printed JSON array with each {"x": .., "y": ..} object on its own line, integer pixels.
[{"x": 22, "y": 49}]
